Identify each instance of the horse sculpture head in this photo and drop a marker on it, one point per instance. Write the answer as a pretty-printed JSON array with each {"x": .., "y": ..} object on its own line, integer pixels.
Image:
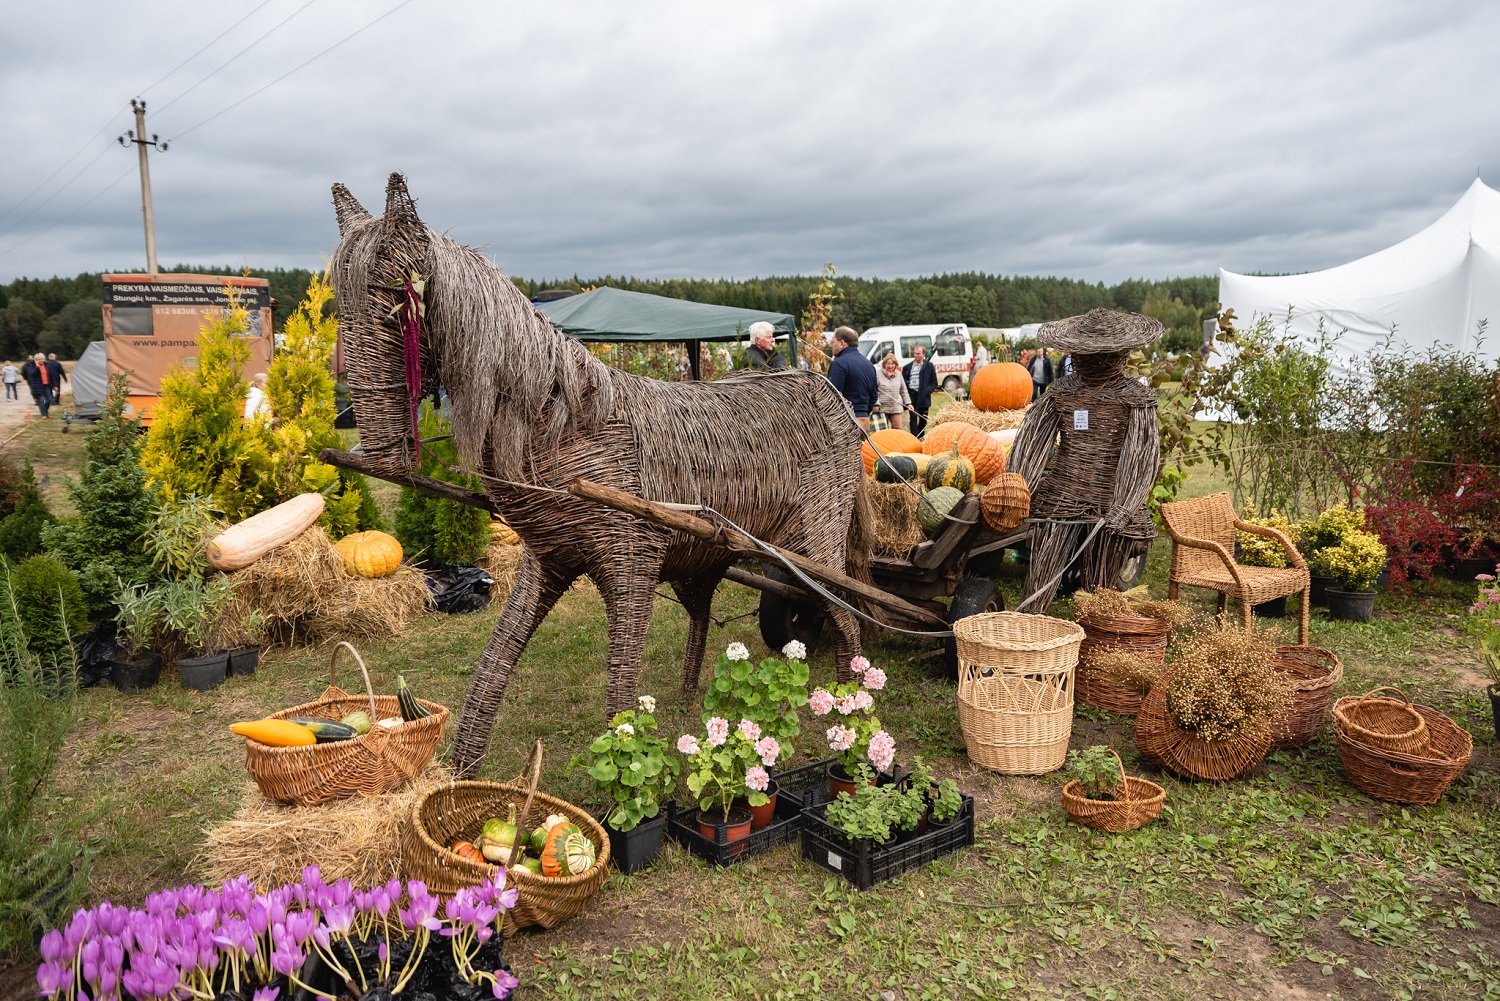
[{"x": 375, "y": 260}]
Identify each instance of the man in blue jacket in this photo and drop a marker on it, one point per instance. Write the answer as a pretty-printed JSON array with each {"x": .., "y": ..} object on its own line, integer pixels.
[
  {"x": 853, "y": 375},
  {"x": 921, "y": 382}
]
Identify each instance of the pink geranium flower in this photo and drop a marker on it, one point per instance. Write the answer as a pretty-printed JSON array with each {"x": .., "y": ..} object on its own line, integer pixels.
[
  {"x": 769, "y": 750},
  {"x": 840, "y": 738},
  {"x": 882, "y": 750},
  {"x": 874, "y": 679},
  {"x": 845, "y": 704},
  {"x": 859, "y": 665},
  {"x": 750, "y": 729},
  {"x": 820, "y": 702},
  {"x": 687, "y": 744},
  {"x": 758, "y": 779},
  {"x": 863, "y": 700},
  {"x": 718, "y": 731}
]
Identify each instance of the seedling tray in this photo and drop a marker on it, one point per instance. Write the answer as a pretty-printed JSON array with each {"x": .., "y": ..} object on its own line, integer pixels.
[
  {"x": 863, "y": 865},
  {"x": 797, "y": 788}
]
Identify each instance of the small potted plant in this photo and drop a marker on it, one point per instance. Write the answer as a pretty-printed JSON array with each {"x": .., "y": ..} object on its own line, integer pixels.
[
  {"x": 1328, "y": 529},
  {"x": 723, "y": 767},
  {"x": 946, "y": 800},
  {"x": 856, "y": 734},
  {"x": 1353, "y": 564},
  {"x": 138, "y": 614},
  {"x": 630, "y": 763},
  {"x": 1261, "y": 551},
  {"x": 1102, "y": 796},
  {"x": 193, "y": 610},
  {"x": 1097, "y": 773},
  {"x": 1484, "y": 623},
  {"x": 864, "y": 816},
  {"x": 767, "y": 694},
  {"x": 242, "y": 632}
]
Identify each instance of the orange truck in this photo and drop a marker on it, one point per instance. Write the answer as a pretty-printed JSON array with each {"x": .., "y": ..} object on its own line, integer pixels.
[{"x": 151, "y": 323}]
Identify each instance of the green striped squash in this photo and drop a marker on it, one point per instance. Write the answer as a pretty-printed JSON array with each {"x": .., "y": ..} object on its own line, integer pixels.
[
  {"x": 950, "y": 470},
  {"x": 935, "y": 505}
]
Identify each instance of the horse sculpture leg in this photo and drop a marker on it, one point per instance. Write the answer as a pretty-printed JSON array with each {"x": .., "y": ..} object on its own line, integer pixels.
[
  {"x": 697, "y": 596},
  {"x": 846, "y": 640},
  {"x": 535, "y": 592},
  {"x": 627, "y": 594}
]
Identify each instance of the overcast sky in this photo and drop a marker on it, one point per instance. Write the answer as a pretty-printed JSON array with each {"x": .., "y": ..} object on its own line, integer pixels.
[{"x": 1095, "y": 140}]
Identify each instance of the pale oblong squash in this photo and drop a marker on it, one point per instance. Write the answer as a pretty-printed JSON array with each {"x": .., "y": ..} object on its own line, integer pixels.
[{"x": 241, "y": 545}]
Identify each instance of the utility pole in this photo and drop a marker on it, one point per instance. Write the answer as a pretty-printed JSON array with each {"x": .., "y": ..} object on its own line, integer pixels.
[{"x": 138, "y": 137}]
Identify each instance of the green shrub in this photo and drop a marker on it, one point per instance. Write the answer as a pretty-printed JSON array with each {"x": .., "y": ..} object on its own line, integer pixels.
[
  {"x": 21, "y": 531},
  {"x": 435, "y": 531},
  {"x": 52, "y": 608},
  {"x": 102, "y": 544},
  {"x": 1354, "y": 563},
  {"x": 1330, "y": 528},
  {"x": 1261, "y": 551}
]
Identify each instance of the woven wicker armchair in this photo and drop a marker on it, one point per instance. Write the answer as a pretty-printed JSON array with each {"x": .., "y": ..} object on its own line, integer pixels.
[{"x": 1203, "y": 533}]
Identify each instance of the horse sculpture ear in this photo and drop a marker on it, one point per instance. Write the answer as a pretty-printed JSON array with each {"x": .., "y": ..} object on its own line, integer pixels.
[
  {"x": 347, "y": 209},
  {"x": 400, "y": 208}
]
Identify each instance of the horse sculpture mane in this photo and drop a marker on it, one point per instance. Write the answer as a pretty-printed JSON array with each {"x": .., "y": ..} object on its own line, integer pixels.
[{"x": 531, "y": 408}]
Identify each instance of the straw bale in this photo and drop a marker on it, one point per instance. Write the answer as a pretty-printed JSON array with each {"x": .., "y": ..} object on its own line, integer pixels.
[
  {"x": 986, "y": 420},
  {"x": 502, "y": 561},
  {"x": 305, "y": 593},
  {"x": 896, "y": 528},
  {"x": 358, "y": 839}
]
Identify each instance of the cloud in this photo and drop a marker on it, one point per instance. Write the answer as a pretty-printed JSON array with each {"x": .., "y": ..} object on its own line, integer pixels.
[{"x": 673, "y": 139}]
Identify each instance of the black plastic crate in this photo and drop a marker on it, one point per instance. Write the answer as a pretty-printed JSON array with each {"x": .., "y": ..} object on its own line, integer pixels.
[
  {"x": 825, "y": 845},
  {"x": 797, "y": 786}
]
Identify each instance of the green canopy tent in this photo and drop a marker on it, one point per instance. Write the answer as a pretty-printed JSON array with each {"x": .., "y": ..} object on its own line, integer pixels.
[{"x": 612, "y": 314}]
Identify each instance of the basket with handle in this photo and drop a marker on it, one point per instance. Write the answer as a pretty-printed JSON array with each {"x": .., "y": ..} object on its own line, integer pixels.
[
  {"x": 1382, "y": 723},
  {"x": 1137, "y": 803},
  {"x": 458, "y": 810},
  {"x": 371, "y": 763},
  {"x": 1311, "y": 674},
  {"x": 1408, "y": 778}
]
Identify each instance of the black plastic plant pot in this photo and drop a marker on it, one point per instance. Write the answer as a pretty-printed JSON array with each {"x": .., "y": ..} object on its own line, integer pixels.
[
  {"x": 1271, "y": 609},
  {"x": 138, "y": 673},
  {"x": 199, "y": 674},
  {"x": 1495, "y": 711},
  {"x": 1320, "y": 586},
  {"x": 242, "y": 662},
  {"x": 1468, "y": 569},
  {"x": 638, "y": 848},
  {"x": 1351, "y": 606}
]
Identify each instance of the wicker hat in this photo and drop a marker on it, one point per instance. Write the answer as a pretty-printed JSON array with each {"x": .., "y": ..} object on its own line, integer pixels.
[{"x": 1100, "y": 331}]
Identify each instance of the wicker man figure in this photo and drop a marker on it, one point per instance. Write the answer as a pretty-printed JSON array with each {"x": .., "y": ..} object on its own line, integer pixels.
[{"x": 1106, "y": 458}]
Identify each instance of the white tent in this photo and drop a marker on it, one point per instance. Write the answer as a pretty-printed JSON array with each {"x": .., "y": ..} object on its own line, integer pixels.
[{"x": 1434, "y": 288}]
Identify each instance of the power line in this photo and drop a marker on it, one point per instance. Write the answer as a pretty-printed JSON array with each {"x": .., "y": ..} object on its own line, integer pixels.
[
  {"x": 225, "y": 65},
  {"x": 128, "y": 171},
  {"x": 40, "y": 205},
  {"x": 294, "y": 69},
  {"x": 102, "y": 129},
  {"x": 205, "y": 48}
]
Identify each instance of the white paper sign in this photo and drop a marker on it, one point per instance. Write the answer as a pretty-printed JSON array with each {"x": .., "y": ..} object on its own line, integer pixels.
[
  {"x": 835, "y": 861},
  {"x": 1080, "y": 420}
]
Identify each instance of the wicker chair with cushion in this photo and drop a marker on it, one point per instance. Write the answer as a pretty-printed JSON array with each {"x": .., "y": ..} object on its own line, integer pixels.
[{"x": 1203, "y": 533}]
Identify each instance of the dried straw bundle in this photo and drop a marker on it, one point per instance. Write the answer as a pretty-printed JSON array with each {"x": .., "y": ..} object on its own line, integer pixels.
[
  {"x": 306, "y": 594},
  {"x": 986, "y": 420},
  {"x": 358, "y": 839},
  {"x": 895, "y": 508},
  {"x": 1224, "y": 684},
  {"x": 502, "y": 561},
  {"x": 1107, "y": 603},
  {"x": 1126, "y": 669}
]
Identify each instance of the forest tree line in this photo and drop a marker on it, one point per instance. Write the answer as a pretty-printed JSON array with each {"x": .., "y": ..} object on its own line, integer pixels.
[{"x": 62, "y": 315}]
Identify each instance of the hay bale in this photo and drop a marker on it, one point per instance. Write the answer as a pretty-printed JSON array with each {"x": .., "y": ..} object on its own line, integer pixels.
[
  {"x": 358, "y": 839},
  {"x": 986, "y": 420},
  {"x": 306, "y": 594},
  {"x": 502, "y": 561},
  {"x": 896, "y": 527}
]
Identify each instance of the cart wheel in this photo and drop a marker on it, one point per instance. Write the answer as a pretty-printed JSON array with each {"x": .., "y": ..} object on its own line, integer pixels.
[
  {"x": 974, "y": 595},
  {"x": 782, "y": 621}
]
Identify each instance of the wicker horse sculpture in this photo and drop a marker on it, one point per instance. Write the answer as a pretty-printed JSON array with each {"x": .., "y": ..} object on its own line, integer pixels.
[{"x": 532, "y": 410}]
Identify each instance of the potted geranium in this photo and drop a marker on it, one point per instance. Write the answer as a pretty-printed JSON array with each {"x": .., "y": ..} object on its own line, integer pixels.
[
  {"x": 767, "y": 694},
  {"x": 722, "y": 767},
  {"x": 630, "y": 763},
  {"x": 1484, "y": 623},
  {"x": 856, "y": 734},
  {"x": 1354, "y": 564},
  {"x": 865, "y": 814}
]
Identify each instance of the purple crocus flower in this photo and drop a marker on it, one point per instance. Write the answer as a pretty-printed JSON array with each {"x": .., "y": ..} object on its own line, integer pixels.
[
  {"x": 266, "y": 994},
  {"x": 52, "y": 946},
  {"x": 505, "y": 982},
  {"x": 51, "y": 976},
  {"x": 286, "y": 959}
]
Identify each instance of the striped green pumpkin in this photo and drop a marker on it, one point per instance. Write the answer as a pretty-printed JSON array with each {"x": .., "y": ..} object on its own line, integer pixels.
[
  {"x": 950, "y": 470},
  {"x": 935, "y": 505}
]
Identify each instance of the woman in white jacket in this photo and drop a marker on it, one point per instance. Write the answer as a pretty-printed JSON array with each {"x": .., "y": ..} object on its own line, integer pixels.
[{"x": 894, "y": 399}]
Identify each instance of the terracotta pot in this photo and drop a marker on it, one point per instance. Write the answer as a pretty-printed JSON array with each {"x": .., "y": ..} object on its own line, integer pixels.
[
  {"x": 711, "y": 825},
  {"x": 839, "y": 781},
  {"x": 761, "y": 816}
]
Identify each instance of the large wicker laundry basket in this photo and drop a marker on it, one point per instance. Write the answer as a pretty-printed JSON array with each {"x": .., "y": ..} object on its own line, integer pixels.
[{"x": 372, "y": 763}]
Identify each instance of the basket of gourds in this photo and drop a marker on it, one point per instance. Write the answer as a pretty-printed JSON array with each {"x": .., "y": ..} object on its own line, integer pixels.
[
  {"x": 335, "y": 758},
  {"x": 455, "y": 838}
]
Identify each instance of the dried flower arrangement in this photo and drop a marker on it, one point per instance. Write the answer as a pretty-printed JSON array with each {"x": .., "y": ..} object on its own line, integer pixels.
[
  {"x": 1223, "y": 683},
  {"x": 1106, "y": 602},
  {"x": 1127, "y": 669}
]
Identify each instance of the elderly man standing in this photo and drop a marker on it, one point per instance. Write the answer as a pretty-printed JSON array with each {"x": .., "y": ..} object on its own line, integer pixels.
[
  {"x": 921, "y": 383},
  {"x": 763, "y": 353},
  {"x": 853, "y": 375}
]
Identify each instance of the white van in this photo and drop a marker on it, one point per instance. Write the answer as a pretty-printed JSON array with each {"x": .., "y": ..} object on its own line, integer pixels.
[{"x": 948, "y": 348}]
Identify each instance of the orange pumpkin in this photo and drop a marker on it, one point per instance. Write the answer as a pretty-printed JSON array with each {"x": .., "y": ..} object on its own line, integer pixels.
[
  {"x": 567, "y": 851},
  {"x": 889, "y": 441},
  {"x": 468, "y": 852},
  {"x": 1005, "y": 503},
  {"x": 1000, "y": 385},
  {"x": 987, "y": 454}
]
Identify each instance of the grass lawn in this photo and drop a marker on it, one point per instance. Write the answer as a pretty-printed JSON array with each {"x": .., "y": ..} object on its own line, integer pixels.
[{"x": 1286, "y": 884}]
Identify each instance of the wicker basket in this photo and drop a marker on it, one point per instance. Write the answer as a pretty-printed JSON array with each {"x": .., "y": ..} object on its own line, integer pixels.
[
  {"x": 1015, "y": 725},
  {"x": 1311, "y": 674},
  {"x": 1138, "y": 634},
  {"x": 458, "y": 810},
  {"x": 372, "y": 763},
  {"x": 1018, "y": 643},
  {"x": 1408, "y": 778},
  {"x": 1383, "y": 723},
  {"x": 1138, "y": 803},
  {"x": 1159, "y": 738}
]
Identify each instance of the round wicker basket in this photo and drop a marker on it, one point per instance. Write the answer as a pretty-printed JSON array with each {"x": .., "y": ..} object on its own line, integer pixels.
[
  {"x": 1015, "y": 725},
  {"x": 1138, "y": 634},
  {"x": 372, "y": 763},
  {"x": 1408, "y": 778},
  {"x": 1311, "y": 674},
  {"x": 458, "y": 811},
  {"x": 1383, "y": 723},
  {"x": 1137, "y": 803},
  {"x": 1159, "y": 738},
  {"x": 1018, "y": 643}
]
